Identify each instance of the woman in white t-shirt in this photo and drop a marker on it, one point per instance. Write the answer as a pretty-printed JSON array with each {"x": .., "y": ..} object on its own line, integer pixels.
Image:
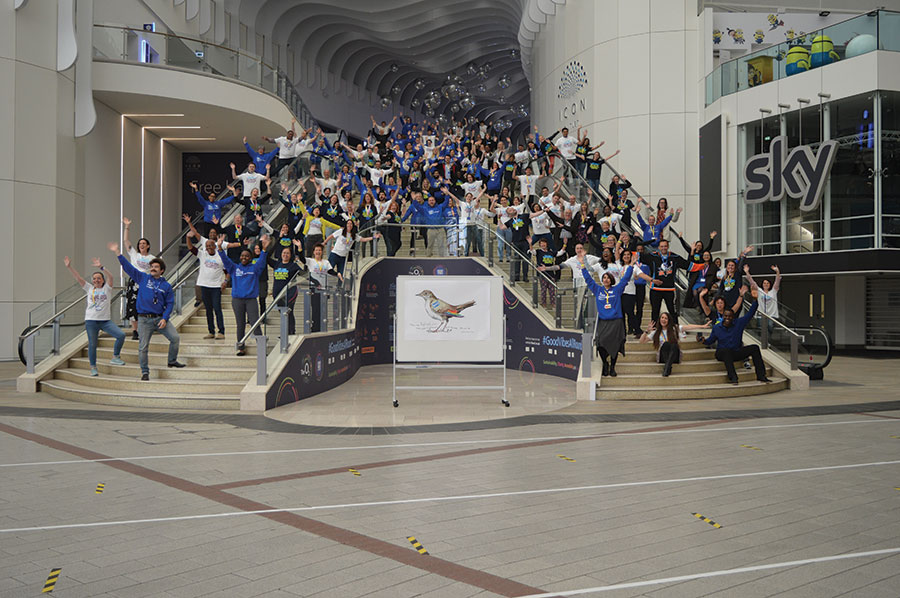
[
  {"x": 97, "y": 312},
  {"x": 343, "y": 243},
  {"x": 140, "y": 259},
  {"x": 211, "y": 282},
  {"x": 767, "y": 296},
  {"x": 319, "y": 271}
]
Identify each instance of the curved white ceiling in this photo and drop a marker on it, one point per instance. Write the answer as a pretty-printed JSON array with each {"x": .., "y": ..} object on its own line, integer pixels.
[{"x": 361, "y": 40}]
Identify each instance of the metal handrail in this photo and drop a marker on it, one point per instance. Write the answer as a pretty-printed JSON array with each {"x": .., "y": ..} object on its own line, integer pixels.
[
  {"x": 780, "y": 325},
  {"x": 35, "y": 329},
  {"x": 272, "y": 305}
]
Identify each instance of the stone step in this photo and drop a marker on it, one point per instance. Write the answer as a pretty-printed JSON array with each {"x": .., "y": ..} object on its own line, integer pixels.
[
  {"x": 624, "y": 366},
  {"x": 198, "y": 328},
  {"x": 161, "y": 358},
  {"x": 192, "y": 346},
  {"x": 707, "y": 391},
  {"x": 695, "y": 379},
  {"x": 650, "y": 356},
  {"x": 65, "y": 389},
  {"x": 133, "y": 370},
  {"x": 211, "y": 385}
]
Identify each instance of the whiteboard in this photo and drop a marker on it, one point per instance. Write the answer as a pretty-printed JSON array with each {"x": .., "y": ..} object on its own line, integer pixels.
[{"x": 449, "y": 318}]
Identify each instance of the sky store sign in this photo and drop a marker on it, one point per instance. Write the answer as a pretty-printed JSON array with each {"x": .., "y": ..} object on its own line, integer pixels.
[{"x": 800, "y": 173}]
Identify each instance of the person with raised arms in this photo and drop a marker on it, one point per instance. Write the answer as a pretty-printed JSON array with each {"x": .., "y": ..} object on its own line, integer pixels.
[
  {"x": 155, "y": 302},
  {"x": 97, "y": 312},
  {"x": 245, "y": 288}
]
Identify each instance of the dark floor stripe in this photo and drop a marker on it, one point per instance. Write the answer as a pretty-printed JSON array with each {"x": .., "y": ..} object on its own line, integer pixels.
[
  {"x": 265, "y": 424},
  {"x": 450, "y": 455},
  {"x": 432, "y": 564}
]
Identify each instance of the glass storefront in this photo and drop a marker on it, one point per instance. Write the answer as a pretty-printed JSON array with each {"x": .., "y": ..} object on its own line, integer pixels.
[{"x": 866, "y": 167}]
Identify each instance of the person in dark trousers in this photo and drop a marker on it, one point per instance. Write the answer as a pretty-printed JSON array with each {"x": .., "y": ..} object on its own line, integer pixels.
[
  {"x": 519, "y": 224},
  {"x": 284, "y": 268},
  {"x": 609, "y": 337},
  {"x": 155, "y": 301},
  {"x": 663, "y": 266},
  {"x": 245, "y": 288},
  {"x": 729, "y": 335}
]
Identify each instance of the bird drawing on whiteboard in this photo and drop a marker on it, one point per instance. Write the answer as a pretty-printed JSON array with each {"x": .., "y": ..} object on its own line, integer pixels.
[{"x": 440, "y": 310}]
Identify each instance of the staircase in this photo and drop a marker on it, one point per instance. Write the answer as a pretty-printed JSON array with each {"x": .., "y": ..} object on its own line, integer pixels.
[
  {"x": 213, "y": 379},
  {"x": 698, "y": 376}
]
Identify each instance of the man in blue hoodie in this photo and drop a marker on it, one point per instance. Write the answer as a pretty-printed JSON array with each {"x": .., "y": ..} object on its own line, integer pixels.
[
  {"x": 155, "y": 301},
  {"x": 245, "y": 288},
  {"x": 729, "y": 334}
]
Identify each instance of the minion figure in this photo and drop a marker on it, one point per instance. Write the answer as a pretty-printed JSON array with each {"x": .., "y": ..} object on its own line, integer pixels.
[
  {"x": 790, "y": 35},
  {"x": 737, "y": 35},
  {"x": 759, "y": 36},
  {"x": 796, "y": 61},
  {"x": 822, "y": 52},
  {"x": 717, "y": 37},
  {"x": 774, "y": 22}
]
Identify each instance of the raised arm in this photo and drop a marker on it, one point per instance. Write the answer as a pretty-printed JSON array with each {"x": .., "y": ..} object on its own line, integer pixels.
[
  {"x": 193, "y": 232},
  {"x": 81, "y": 282},
  {"x": 752, "y": 282},
  {"x": 233, "y": 171},
  {"x": 126, "y": 241},
  {"x": 777, "y": 282},
  {"x": 712, "y": 237}
]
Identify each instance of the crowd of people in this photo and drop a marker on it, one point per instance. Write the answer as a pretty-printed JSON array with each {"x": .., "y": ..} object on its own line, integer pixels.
[{"x": 450, "y": 185}]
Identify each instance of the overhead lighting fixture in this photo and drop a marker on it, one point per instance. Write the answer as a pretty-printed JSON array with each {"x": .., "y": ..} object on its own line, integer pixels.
[
  {"x": 189, "y": 138},
  {"x": 153, "y": 114},
  {"x": 824, "y": 13},
  {"x": 173, "y": 127}
]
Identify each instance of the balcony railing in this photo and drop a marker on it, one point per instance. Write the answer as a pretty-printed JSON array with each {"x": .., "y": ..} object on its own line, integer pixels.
[
  {"x": 127, "y": 44},
  {"x": 876, "y": 30}
]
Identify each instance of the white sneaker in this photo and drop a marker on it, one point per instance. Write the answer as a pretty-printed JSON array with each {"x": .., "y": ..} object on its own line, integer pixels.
[{"x": 94, "y": 372}]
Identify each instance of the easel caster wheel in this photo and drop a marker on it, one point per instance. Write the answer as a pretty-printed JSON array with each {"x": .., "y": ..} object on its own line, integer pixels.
[
  {"x": 505, "y": 402},
  {"x": 396, "y": 403}
]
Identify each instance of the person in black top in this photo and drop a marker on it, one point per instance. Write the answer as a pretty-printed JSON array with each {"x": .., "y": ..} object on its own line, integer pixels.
[
  {"x": 519, "y": 224},
  {"x": 545, "y": 259},
  {"x": 284, "y": 268},
  {"x": 731, "y": 287},
  {"x": 696, "y": 257},
  {"x": 618, "y": 184},
  {"x": 663, "y": 267},
  {"x": 238, "y": 237},
  {"x": 392, "y": 229}
]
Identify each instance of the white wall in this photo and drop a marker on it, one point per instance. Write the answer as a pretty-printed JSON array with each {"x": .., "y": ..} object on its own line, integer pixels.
[{"x": 641, "y": 58}]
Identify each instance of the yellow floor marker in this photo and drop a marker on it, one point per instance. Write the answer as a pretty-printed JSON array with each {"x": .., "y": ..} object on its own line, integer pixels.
[
  {"x": 707, "y": 520},
  {"x": 566, "y": 458},
  {"x": 415, "y": 544},
  {"x": 100, "y": 488},
  {"x": 51, "y": 581},
  {"x": 354, "y": 472},
  {"x": 752, "y": 448}
]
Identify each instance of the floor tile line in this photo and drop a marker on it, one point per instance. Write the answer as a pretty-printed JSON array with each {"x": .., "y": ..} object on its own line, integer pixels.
[
  {"x": 454, "y": 454},
  {"x": 479, "y": 579},
  {"x": 719, "y": 573}
]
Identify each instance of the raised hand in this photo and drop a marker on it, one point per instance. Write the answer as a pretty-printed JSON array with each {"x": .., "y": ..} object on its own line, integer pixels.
[
  {"x": 126, "y": 221},
  {"x": 193, "y": 185},
  {"x": 67, "y": 261},
  {"x": 231, "y": 164},
  {"x": 776, "y": 269},
  {"x": 113, "y": 246},
  {"x": 215, "y": 220},
  {"x": 245, "y": 139},
  {"x": 186, "y": 218},
  {"x": 746, "y": 268},
  {"x": 713, "y": 234},
  {"x": 95, "y": 262}
]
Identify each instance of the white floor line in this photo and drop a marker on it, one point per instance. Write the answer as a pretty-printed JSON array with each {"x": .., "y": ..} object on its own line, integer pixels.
[
  {"x": 679, "y": 578},
  {"x": 453, "y": 498},
  {"x": 622, "y": 434}
]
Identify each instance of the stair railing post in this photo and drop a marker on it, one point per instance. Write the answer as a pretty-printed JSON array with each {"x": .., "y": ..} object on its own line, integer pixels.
[
  {"x": 56, "y": 331},
  {"x": 490, "y": 251},
  {"x": 29, "y": 354},
  {"x": 261, "y": 344},
  {"x": 283, "y": 319},
  {"x": 559, "y": 296},
  {"x": 763, "y": 332},
  {"x": 307, "y": 311},
  {"x": 534, "y": 287},
  {"x": 586, "y": 355},
  {"x": 795, "y": 350},
  {"x": 178, "y": 297}
]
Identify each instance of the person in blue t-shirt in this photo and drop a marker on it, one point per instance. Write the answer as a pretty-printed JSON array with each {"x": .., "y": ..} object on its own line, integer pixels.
[
  {"x": 261, "y": 158},
  {"x": 729, "y": 334},
  {"x": 245, "y": 288},
  {"x": 609, "y": 337},
  {"x": 155, "y": 301}
]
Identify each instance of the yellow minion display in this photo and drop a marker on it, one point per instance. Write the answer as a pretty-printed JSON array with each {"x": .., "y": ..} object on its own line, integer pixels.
[
  {"x": 822, "y": 52},
  {"x": 759, "y": 36},
  {"x": 796, "y": 61}
]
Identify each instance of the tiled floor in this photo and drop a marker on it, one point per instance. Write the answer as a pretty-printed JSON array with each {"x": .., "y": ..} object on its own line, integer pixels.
[{"x": 218, "y": 505}]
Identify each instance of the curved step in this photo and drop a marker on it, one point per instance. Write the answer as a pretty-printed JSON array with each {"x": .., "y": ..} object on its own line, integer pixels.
[
  {"x": 154, "y": 385},
  {"x": 161, "y": 358},
  {"x": 717, "y": 376},
  {"x": 707, "y": 391},
  {"x": 192, "y": 346},
  {"x": 64, "y": 389},
  {"x": 623, "y": 366},
  {"x": 650, "y": 356},
  {"x": 133, "y": 370}
]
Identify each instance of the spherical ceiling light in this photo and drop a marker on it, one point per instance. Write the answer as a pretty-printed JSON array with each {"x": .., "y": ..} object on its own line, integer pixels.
[
  {"x": 385, "y": 102},
  {"x": 420, "y": 84},
  {"x": 415, "y": 103},
  {"x": 471, "y": 69},
  {"x": 395, "y": 90},
  {"x": 395, "y": 67}
]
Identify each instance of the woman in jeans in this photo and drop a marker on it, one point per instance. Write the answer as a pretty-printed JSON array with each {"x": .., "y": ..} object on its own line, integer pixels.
[{"x": 97, "y": 312}]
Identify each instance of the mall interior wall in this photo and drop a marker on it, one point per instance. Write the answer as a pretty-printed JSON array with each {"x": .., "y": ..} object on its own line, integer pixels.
[{"x": 641, "y": 60}]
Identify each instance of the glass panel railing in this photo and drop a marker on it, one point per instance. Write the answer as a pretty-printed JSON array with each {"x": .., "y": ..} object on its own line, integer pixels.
[
  {"x": 116, "y": 42},
  {"x": 854, "y": 37}
]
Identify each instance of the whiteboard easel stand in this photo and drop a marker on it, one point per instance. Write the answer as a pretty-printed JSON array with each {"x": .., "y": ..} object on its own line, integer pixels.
[{"x": 437, "y": 366}]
